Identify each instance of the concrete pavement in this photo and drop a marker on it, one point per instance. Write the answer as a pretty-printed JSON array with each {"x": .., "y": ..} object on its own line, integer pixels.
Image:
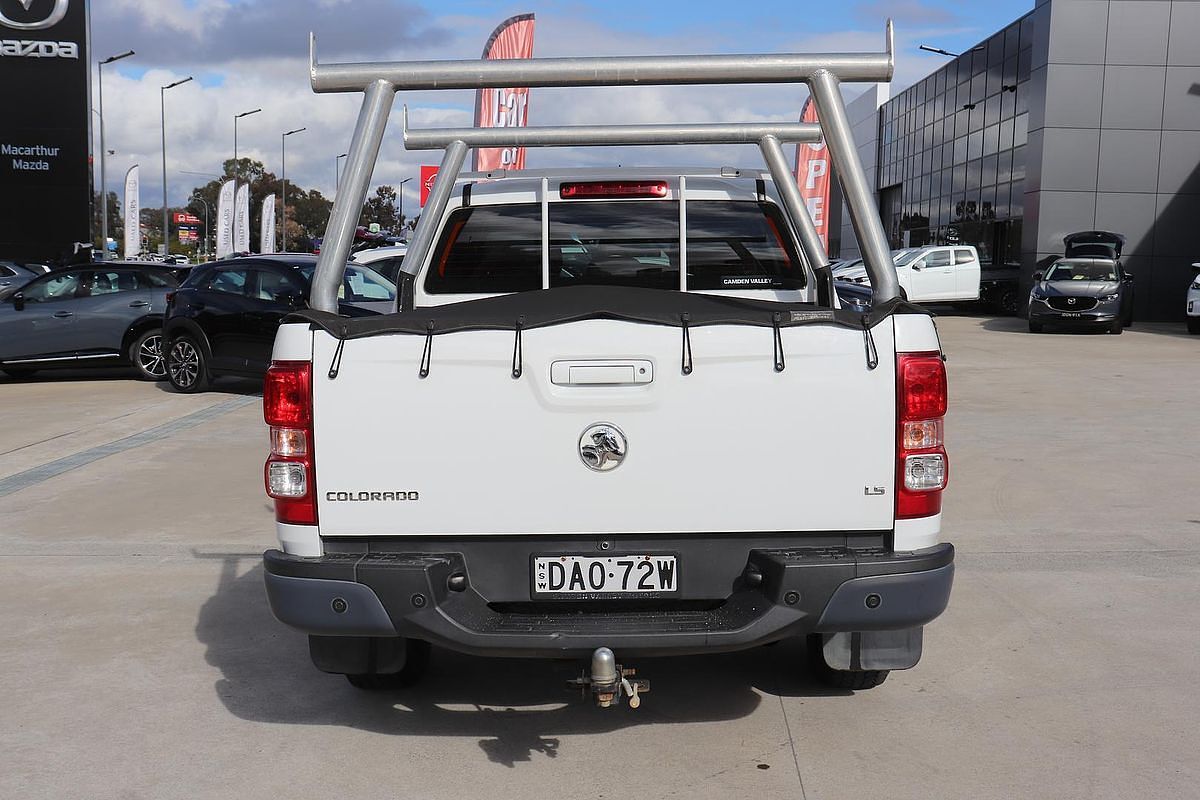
[{"x": 139, "y": 660}]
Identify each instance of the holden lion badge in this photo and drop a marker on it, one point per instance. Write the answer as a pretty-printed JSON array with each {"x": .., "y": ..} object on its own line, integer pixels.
[{"x": 602, "y": 447}]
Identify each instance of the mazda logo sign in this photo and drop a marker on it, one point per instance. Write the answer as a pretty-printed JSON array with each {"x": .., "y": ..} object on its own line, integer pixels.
[
  {"x": 1070, "y": 301},
  {"x": 55, "y": 11},
  {"x": 602, "y": 447}
]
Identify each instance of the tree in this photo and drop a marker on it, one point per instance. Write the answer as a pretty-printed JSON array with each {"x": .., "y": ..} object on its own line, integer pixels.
[
  {"x": 308, "y": 211},
  {"x": 381, "y": 209},
  {"x": 116, "y": 221}
]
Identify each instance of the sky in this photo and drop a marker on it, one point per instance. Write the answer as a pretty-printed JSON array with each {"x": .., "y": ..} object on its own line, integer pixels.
[{"x": 248, "y": 54}]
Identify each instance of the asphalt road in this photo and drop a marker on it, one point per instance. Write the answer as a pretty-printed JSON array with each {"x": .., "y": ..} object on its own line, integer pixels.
[{"x": 138, "y": 658}]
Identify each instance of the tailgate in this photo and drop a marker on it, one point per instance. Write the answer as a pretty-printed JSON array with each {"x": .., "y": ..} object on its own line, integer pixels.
[{"x": 732, "y": 447}]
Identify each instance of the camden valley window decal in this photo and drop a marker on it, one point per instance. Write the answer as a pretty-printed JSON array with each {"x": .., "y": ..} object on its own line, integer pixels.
[{"x": 45, "y": 207}]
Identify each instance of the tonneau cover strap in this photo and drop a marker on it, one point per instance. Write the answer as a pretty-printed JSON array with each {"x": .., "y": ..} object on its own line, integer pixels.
[
  {"x": 780, "y": 364},
  {"x": 686, "y": 357},
  {"x": 518, "y": 355},
  {"x": 427, "y": 352},
  {"x": 869, "y": 343}
]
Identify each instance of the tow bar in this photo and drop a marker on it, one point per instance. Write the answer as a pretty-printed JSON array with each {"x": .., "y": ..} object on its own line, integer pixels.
[{"x": 609, "y": 681}]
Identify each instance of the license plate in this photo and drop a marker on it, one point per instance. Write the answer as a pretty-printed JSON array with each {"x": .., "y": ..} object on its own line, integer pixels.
[
  {"x": 583, "y": 577},
  {"x": 1072, "y": 314}
]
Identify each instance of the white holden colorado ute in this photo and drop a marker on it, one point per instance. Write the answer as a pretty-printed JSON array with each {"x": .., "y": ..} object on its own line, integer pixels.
[{"x": 610, "y": 398}]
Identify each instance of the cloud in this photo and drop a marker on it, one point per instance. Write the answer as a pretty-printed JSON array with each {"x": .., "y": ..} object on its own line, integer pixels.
[
  {"x": 184, "y": 32},
  {"x": 254, "y": 54}
]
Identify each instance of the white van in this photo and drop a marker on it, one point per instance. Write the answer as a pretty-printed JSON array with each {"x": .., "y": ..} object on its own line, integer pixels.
[{"x": 936, "y": 273}]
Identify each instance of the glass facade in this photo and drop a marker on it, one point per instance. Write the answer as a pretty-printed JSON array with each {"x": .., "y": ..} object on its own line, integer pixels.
[{"x": 952, "y": 151}]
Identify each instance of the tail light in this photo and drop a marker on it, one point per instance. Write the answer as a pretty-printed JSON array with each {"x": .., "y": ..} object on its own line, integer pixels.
[
  {"x": 921, "y": 468},
  {"x": 289, "y": 473},
  {"x": 635, "y": 189},
  {"x": 170, "y": 298}
]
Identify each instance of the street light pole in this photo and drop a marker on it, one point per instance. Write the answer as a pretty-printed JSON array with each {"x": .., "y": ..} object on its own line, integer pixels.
[
  {"x": 103, "y": 185},
  {"x": 237, "y": 171},
  {"x": 942, "y": 52},
  {"x": 337, "y": 175},
  {"x": 206, "y": 249},
  {"x": 283, "y": 162},
  {"x": 162, "y": 102},
  {"x": 401, "y": 210}
]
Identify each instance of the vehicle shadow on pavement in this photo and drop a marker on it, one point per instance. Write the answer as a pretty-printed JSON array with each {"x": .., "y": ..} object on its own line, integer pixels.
[
  {"x": 224, "y": 385},
  {"x": 514, "y": 707}
]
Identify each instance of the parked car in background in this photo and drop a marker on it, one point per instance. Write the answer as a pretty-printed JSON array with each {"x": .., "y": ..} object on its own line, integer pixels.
[
  {"x": 1082, "y": 291},
  {"x": 938, "y": 273},
  {"x": 853, "y": 296},
  {"x": 1193, "y": 302},
  {"x": 384, "y": 260},
  {"x": 98, "y": 315},
  {"x": 13, "y": 276},
  {"x": 222, "y": 319}
]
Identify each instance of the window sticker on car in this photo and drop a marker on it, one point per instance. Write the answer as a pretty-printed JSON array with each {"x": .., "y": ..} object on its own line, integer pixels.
[{"x": 757, "y": 281}]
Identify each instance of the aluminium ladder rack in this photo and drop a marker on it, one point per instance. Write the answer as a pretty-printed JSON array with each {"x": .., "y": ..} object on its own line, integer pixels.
[{"x": 823, "y": 73}]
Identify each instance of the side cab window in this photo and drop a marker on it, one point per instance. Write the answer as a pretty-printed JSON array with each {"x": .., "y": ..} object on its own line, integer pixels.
[
  {"x": 274, "y": 286},
  {"x": 228, "y": 281},
  {"x": 59, "y": 286},
  {"x": 938, "y": 258},
  {"x": 963, "y": 256}
]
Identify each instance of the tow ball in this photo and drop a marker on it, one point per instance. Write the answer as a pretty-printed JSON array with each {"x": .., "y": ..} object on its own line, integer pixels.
[{"x": 609, "y": 681}]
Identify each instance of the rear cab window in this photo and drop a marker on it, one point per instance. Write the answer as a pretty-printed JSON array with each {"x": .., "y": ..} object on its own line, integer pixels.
[{"x": 731, "y": 245}]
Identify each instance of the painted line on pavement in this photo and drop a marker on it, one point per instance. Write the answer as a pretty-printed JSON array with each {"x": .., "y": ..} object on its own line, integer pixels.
[{"x": 40, "y": 474}]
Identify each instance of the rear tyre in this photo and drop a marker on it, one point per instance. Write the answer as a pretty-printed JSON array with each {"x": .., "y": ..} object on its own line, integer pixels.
[
  {"x": 416, "y": 664},
  {"x": 1036, "y": 327},
  {"x": 1194, "y": 326},
  {"x": 20, "y": 373},
  {"x": 186, "y": 367},
  {"x": 852, "y": 680},
  {"x": 147, "y": 356}
]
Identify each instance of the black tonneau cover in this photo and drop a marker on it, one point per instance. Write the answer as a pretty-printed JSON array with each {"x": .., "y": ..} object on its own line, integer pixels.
[{"x": 547, "y": 307}]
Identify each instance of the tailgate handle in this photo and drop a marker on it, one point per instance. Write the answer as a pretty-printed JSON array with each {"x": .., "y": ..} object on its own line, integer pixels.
[{"x": 601, "y": 373}]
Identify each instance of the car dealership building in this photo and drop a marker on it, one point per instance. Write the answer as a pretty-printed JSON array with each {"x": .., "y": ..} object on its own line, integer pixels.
[{"x": 1081, "y": 115}]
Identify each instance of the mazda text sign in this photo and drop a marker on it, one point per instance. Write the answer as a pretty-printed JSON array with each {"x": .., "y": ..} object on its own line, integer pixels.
[{"x": 45, "y": 204}]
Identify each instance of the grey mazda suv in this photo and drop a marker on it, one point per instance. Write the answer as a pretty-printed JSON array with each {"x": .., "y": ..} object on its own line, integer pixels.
[
  {"x": 1095, "y": 292},
  {"x": 95, "y": 315}
]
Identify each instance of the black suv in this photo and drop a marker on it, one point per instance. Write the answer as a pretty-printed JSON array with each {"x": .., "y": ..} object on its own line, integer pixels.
[{"x": 222, "y": 319}]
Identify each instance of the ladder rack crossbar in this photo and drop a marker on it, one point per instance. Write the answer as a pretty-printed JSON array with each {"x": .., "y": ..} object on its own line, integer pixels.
[
  {"x": 823, "y": 72},
  {"x": 608, "y": 135}
]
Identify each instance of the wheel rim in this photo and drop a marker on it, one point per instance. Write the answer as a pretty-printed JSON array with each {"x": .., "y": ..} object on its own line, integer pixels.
[
  {"x": 184, "y": 363},
  {"x": 150, "y": 357}
]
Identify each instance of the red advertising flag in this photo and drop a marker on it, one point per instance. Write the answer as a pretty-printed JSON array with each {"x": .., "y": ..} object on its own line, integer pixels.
[
  {"x": 504, "y": 108},
  {"x": 812, "y": 174},
  {"x": 428, "y": 173}
]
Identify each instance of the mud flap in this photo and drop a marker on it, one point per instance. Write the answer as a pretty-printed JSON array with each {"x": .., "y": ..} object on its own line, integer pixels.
[
  {"x": 869, "y": 650},
  {"x": 358, "y": 655}
]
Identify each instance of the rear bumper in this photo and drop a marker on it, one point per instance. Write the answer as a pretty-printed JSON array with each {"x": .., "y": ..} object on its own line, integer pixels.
[{"x": 775, "y": 594}]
